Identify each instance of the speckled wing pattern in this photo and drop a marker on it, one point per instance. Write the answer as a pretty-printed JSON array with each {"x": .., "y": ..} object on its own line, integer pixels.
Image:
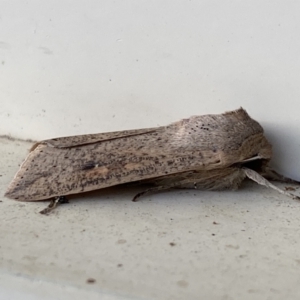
[
  {"x": 78, "y": 164},
  {"x": 80, "y": 140}
]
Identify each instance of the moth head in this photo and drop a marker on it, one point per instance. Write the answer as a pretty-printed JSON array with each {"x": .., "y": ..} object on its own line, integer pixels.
[
  {"x": 258, "y": 154},
  {"x": 258, "y": 165},
  {"x": 265, "y": 149},
  {"x": 255, "y": 147}
]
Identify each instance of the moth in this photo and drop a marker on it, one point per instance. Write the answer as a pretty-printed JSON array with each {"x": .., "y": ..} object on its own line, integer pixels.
[{"x": 209, "y": 152}]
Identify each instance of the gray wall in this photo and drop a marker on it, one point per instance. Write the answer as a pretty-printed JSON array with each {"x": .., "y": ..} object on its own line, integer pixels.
[{"x": 75, "y": 67}]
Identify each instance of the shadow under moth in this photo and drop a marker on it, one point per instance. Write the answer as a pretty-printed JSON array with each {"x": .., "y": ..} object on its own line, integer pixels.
[{"x": 209, "y": 152}]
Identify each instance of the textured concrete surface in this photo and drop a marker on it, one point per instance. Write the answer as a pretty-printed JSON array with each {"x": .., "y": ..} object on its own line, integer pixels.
[{"x": 175, "y": 245}]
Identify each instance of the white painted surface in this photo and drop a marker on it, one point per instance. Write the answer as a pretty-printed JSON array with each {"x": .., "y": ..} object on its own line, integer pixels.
[
  {"x": 182, "y": 244},
  {"x": 74, "y": 67}
]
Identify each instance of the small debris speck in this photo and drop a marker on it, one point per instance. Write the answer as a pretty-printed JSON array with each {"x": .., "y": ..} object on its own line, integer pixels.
[
  {"x": 122, "y": 241},
  {"x": 290, "y": 188},
  {"x": 90, "y": 280}
]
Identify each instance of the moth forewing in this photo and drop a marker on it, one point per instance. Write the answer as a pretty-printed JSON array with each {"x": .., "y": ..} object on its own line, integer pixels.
[{"x": 206, "y": 152}]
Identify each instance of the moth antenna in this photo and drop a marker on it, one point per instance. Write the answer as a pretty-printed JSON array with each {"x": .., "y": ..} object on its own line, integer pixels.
[
  {"x": 251, "y": 174},
  {"x": 53, "y": 204}
]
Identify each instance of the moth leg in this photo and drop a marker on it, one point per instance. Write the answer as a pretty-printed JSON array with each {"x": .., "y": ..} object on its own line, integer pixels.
[
  {"x": 273, "y": 175},
  {"x": 151, "y": 190},
  {"x": 263, "y": 181},
  {"x": 164, "y": 187},
  {"x": 53, "y": 204}
]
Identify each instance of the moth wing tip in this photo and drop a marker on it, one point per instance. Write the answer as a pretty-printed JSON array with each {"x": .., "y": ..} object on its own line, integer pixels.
[
  {"x": 13, "y": 193},
  {"x": 10, "y": 194}
]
